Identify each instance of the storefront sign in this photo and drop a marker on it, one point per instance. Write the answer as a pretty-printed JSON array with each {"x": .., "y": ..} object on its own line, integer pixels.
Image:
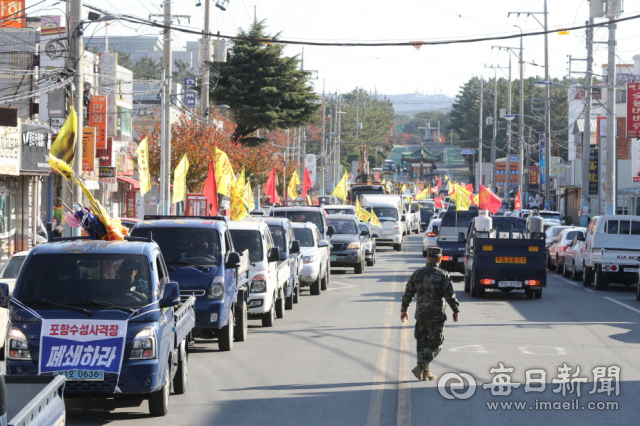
[
  {"x": 12, "y": 13},
  {"x": 623, "y": 143},
  {"x": 88, "y": 149},
  {"x": 310, "y": 164},
  {"x": 533, "y": 175},
  {"x": 501, "y": 174},
  {"x": 10, "y": 151},
  {"x": 130, "y": 208},
  {"x": 633, "y": 110},
  {"x": 110, "y": 184},
  {"x": 98, "y": 119},
  {"x": 105, "y": 155},
  {"x": 124, "y": 165},
  {"x": 107, "y": 172},
  {"x": 635, "y": 160},
  {"x": 35, "y": 151},
  {"x": 593, "y": 171}
]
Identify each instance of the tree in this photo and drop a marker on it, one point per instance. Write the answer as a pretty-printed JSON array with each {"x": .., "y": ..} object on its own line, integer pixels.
[
  {"x": 124, "y": 59},
  {"x": 263, "y": 88},
  {"x": 146, "y": 68},
  {"x": 181, "y": 70}
]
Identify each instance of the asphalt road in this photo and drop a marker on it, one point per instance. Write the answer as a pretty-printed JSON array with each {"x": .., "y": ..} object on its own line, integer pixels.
[{"x": 344, "y": 358}]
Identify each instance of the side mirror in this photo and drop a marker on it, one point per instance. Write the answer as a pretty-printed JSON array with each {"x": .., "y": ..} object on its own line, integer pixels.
[
  {"x": 375, "y": 235},
  {"x": 5, "y": 295},
  {"x": 580, "y": 237},
  {"x": 461, "y": 237},
  {"x": 273, "y": 255},
  {"x": 364, "y": 233},
  {"x": 331, "y": 230},
  {"x": 404, "y": 217},
  {"x": 171, "y": 296},
  {"x": 322, "y": 244},
  {"x": 295, "y": 247},
  {"x": 233, "y": 260}
]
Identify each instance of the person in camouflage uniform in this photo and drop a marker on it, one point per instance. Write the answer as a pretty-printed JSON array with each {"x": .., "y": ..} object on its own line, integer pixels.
[{"x": 431, "y": 284}]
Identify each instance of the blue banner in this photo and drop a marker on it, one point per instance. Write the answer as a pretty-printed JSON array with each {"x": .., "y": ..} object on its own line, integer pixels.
[{"x": 543, "y": 153}]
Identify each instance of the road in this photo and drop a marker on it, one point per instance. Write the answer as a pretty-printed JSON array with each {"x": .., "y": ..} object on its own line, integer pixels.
[{"x": 344, "y": 358}]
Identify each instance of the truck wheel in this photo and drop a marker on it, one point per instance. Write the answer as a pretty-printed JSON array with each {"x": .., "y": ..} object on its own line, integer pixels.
[
  {"x": 315, "y": 287},
  {"x": 565, "y": 271},
  {"x": 240, "y": 329},
  {"x": 638, "y": 291},
  {"x": 180, "y": 380},
  {"x": 397, "y": 247},
  {"x": 159, "y": 400},
  {"x": 288, "y": 302},
  {"x": 225, "y": 335},
  {"x": 473, "y": 287},
  {"x": 324, "y": 283},
  {"x": 296, "y": 293},
  {"x": 359, "y": 267},
  {"x": 467, "y": 283},
  {"x": 280, "y": 307},
  {"x": 537, "y": 294},
  {"x": 586, "y": 276},
  {"x": 268, "y": 318},
  {"x": 599, "y": 280}
]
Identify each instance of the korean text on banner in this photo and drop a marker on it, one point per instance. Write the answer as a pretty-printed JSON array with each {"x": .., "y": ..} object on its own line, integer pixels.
[
  {"x": 98, "y": 119},
  {"x": 180, "y": 180},
  {"x": 95, "y": 345},
  {"x": 88, "y": 149},
  {"x": 12, "y": 13},
  {"x": 635, "y": 159},
  {"x": 633, "y": 110},
  {"x": 142, "y": 152}
]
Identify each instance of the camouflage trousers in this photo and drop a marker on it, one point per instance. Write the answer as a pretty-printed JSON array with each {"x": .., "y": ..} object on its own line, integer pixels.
[{"x": 429, "y": 336}]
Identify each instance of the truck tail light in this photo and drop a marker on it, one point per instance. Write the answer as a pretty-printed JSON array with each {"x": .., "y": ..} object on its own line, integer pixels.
[
  {"x": 431, "y": 234},
  {"x": 487, "y": 281},
  {"x": 614, "y": 268},
  {"x": 448, "y": 258},
  {"x": 532, "y": 282}
]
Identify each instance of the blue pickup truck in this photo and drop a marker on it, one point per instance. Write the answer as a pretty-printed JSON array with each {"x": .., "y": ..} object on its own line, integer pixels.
[
  {"x": 105, "y": 315},
  {"x": 200, "y": 256}
]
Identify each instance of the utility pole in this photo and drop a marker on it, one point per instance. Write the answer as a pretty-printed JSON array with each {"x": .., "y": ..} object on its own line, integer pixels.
[
  {"x": 480, "y": 135},
  {"x": 495, "y": 129},
  {"x": 204, "y": 103},
  {"x": 586, "y": 137},
  {"x": 323, "y": 146},
  {"x": 547, "y": 117},
  {"x": 508, "y": 159},
  {"x": 610, "y": 153},
  {"x": 167, "y": 66},
  {"x": 521, "y": 126},
  {"x": 77, "y": 48}
]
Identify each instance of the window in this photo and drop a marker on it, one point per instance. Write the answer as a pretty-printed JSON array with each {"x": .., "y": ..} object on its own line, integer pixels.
[
  {"x": 305, "y": 236},
  {"x": 347, "y": 226},
  {"x": 635, "y": 228},
  {"x": 11, "y": 269},
  {"x": 611, "y": 227},
  {"x": 277, "y": 233},
  {"x": 162, "y": 275},
  {"x": 200, "y": 246},
  {"x": 246, "y": 239},
  {"x": 621, "y": 96},
  {"x": 625, "y": 227},
  {"x": 384, "y": 214},
  {"x": 302, "y": 216}
]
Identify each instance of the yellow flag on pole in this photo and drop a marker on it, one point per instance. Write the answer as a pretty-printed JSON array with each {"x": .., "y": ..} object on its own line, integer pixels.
[
  {"x": 363, "y": 215},
  {"x": 63, "y": 150},
  {"x": 341, "y": 188},
  {"x": 461, "y": 198},
  {"x": 142, "y": 152},
  {"x": 248, "y": 196},
  {"x": 374, "y": 219},
  {"x": 293, "y": 183},
  {"x": 238, "y": 209},
  {"x": 180, "y": 180},
  {"x": 403, "y": 188},
  {"x": 241, "y": 179},
  {"x": 224, "y": 173}
]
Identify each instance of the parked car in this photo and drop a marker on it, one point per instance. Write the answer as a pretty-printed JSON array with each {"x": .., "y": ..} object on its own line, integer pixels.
[
  {"x": 430, "y": 237},
  {"x": 560, "y": 244},
  {"x": 412, "y": 212},
  {"x": 550, "y": 233},
  {"x": 347, "y": 244},
  {"x": 9, "y": 274},
  {"x": 315, "y": 256},
  {"x": 339, "y": 209},
  {"x": 369, "y": 243},
  {"x": 573, "y": 257}
]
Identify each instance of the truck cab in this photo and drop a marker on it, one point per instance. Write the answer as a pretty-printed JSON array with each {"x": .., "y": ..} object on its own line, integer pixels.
[{"x": 390, "y": 212}]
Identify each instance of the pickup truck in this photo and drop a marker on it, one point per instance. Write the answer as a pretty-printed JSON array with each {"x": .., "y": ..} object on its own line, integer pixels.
[
  {"x": 611, "y": 251},
  {"x": 283, "y": 237},
  {"x": 503, "y": 257},
  {"x": 105, "y": 315},
  {"x": 200, "y": 256},
  {"x": 269, "y": 274},
  {"x": 31, "y": 400}
]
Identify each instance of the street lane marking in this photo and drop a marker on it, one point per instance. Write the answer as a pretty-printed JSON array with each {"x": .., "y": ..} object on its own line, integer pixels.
[
  {"x": 623, "y": 304},
  {"x": 576, "y": 284},
  {"x": 377, "y": 389},
  {"x": 404, "y": 389},
  {"x": 478, "y": 349},
  {"x": 530, "y": 350}
]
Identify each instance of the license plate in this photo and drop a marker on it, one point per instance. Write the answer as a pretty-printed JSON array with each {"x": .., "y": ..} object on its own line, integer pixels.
[
  {"x": 511, "y": 259},
  {"x": 89, "y": 375},
  {"x": 515, "y": 284},
  {"x": 630, "y": 269},
  {"x": 461, "y": 259},
  {"x": 333, "y": 258}
]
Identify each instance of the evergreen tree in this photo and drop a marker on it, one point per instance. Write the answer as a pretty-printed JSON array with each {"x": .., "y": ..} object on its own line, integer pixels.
[{"x": 146, "y": 69}]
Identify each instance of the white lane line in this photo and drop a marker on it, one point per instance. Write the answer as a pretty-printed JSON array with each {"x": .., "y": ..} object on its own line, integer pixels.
[
  {"x": 339, "y": 288},
  {"x": 623, "y": 304},
  {"x": 572, "y": 283}
]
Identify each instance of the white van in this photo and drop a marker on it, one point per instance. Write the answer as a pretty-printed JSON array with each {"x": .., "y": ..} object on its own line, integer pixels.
[
  {"x": 389, "y": 210},
  {"x": 611, "y": 251}
]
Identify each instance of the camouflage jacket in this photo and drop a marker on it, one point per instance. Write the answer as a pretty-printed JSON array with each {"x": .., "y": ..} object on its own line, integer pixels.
[{"x": 431, "y": 284}]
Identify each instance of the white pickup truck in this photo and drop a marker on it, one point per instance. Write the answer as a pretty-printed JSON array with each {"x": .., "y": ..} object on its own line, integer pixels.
[
  {"x": 611, "y": 251},
  {"x": 268, "y": 274}
]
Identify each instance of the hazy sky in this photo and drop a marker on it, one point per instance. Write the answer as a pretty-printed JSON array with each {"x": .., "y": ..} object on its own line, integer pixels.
[{"x": 395, "y": 70}]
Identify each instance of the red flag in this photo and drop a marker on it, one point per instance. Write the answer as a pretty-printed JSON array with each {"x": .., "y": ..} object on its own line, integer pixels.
[
  {"x": 438, "y": 201},
  {"x": 469, "y": 187},
  {"x": 434, "y": 189},
  {"x": 270, "y": 188},
  {"x": 488, "y": 200},
  {"x": 518, "y": 203},
  {"x": 378, "y": 176},
  {"x": 306, "y": 183},
  {"x": 211, "y": 190},
  {"x": 439, "y": 184}
]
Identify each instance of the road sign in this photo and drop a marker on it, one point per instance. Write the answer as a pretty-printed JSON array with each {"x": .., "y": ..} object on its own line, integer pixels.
[
  {"x": 190, "y": 97},
  {"x": 189, "y": 81},
  {"x": 468, "y": 151}
]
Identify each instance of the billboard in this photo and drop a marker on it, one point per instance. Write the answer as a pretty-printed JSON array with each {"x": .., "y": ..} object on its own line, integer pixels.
[
  {"x": 635, "y": 160},
  {"x": 310, "y": 164},
  {"x": 633, "y": 110},
  {"x": 12, "y": 13},
  {"x": 88, "y": 149},
  {"x": 98, "y": 119}
]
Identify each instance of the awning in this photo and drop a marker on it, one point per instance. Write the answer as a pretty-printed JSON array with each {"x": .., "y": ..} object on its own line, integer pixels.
[{"x": 134, "y": 183}]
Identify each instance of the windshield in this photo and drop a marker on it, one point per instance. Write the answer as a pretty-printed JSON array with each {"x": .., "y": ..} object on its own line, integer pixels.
[
  {"x": 302, "y": 216},
  {"x": 343, "y": 226},
  {"x": 11, "y": 269},
  {"x": 305, "y": 236},
  {"x": 571, "y": 235},
  {"x": 199, "y": 246},
  {"x": 74, "y": 278},
  {"x": 277, "y": 233},
  {"x": 384, "y": 214},
  {"x": 347, "y": 210},
  {"x": 555, "y": 216},
  {"x": 428, "y": 208},
  {"x": 247, "y": 239},
  {"x": 457, "y": 219}
]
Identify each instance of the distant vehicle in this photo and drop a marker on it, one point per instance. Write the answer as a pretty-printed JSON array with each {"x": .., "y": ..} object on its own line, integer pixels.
[
  {"x": 339, "y": 209},
  {"x": 347, "y": 244},
  {"x": 313, "y": 214},
  {"x": 357, "y": 190},
  {"x": 9, "y": 274},
  {"x": 412, "y": 213},
  {"x": 573, "y": 256},
  {"x": 259, "y": 213},
  {"x": 430, "y": 237},
  {"x": 452, "y": 225},
  {"x": 315, "y": 256},
  {"x": 389, "y": 211},
  {"x": 427, "y": 211},
  {"x": 559, "y": 245},
  {"x": 369, "y": 243},
  {"x": 129, "y": 222},
  {"x": 328, "y": 199}
]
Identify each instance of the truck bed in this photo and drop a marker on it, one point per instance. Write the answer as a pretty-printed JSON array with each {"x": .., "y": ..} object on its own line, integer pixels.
[
  {"x": 504, "y": 259},
  {"x": 37, "y": 396},
  {"x": 185, "y": 319}
]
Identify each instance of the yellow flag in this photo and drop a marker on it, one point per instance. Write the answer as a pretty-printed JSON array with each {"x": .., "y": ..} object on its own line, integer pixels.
[
  {"x": 476, "y": 199},
  {"x": 238, "y": 209},
  {"x": 293, "y": 183},
  {"x": 225, "y": 178},
  {"x": 461, "y": 198},
  {"x": 403, "y": 188},
  {"x": 180, "y": 180},
  {"x": 374, "y": 219},
  {"x": 446, "y": 178},
  {"x": 363, "y": 215},
  {"x": 248, "y": 196},
  {"x": 420, "y": 196},
  {"x": 241, "y": 179},
  {"x": 341, "y": 188},
  {"x": 142, "y": 152},
  {"x": 63, "y": 150}
]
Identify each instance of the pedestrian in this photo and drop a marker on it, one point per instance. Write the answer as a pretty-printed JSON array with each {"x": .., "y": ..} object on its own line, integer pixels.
[{"x": 431, "y": 284}]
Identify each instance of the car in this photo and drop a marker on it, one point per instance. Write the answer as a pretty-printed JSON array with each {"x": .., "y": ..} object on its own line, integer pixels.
[
  {"x": 339, "y": 209},
  {"x": 430, "y": 237},
  {"x": 412, "y": 213},
  {"x": 313, "y": 214},
  {"x": 8, "y": 274},
  {"x": 128, "y": 222},
  {"x": 347, "y": 244},
  {"x": 560, "y": 244},
  {"x": 369, "y": 243},
  {"x": 427, "y": 211},
  {"x": 550, "y": 233},
  {"x": 315, "y": 270},
  {"x": 573, "y": 257}
]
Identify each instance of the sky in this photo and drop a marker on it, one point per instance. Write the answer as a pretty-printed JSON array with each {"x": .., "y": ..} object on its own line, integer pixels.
[{"x": 399, "y": 69}]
